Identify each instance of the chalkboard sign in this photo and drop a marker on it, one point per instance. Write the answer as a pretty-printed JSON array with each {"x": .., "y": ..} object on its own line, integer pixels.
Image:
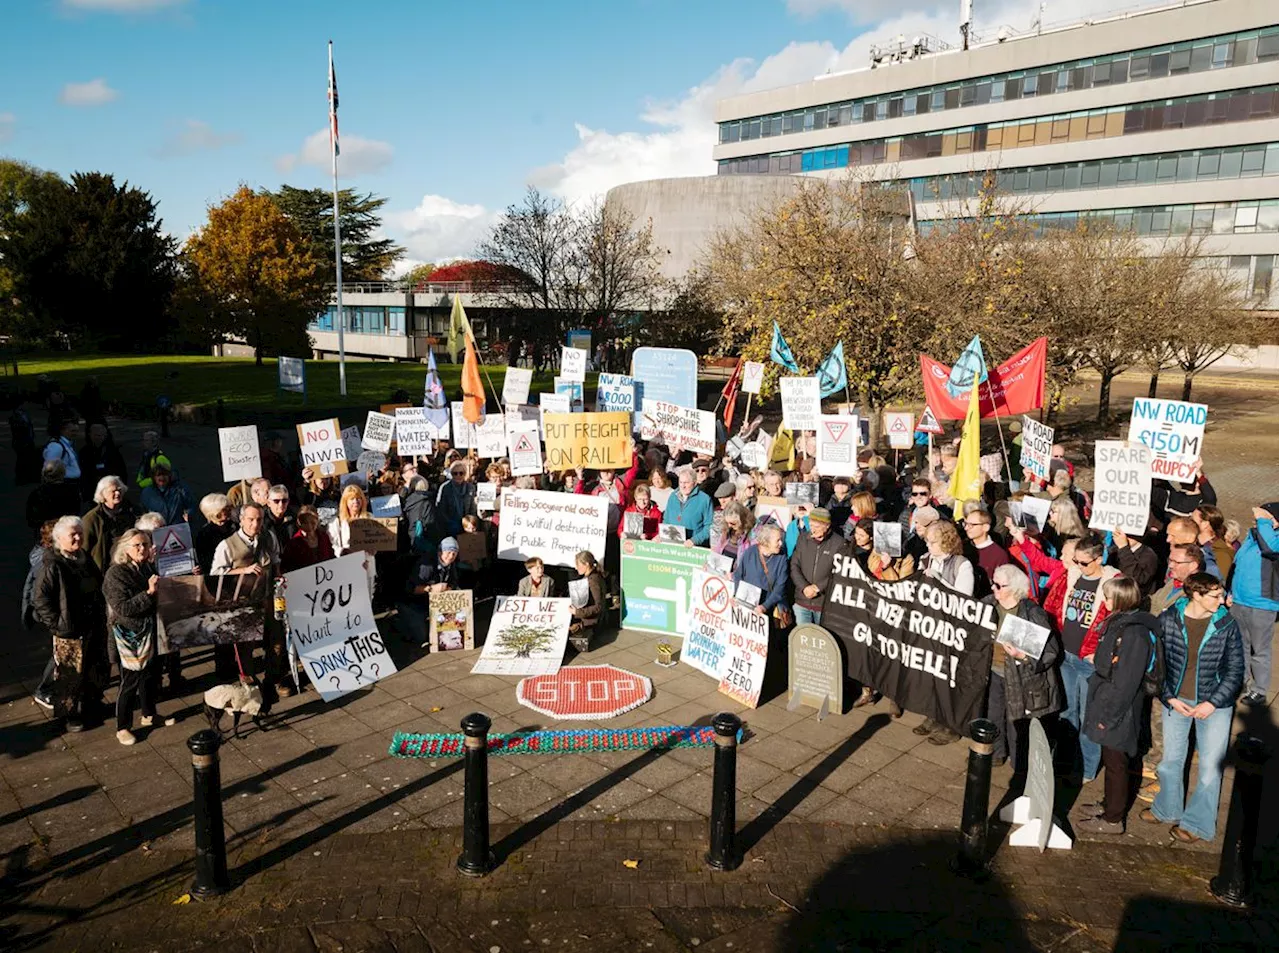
[{"x": 815, "y": 670}]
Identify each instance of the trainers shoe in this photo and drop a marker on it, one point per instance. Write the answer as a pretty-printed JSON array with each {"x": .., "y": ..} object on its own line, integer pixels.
[
  {"x": 148, "y": 720},
  {"x": 1149, "y": 791},
  {"x": 125, "y": 737},
  {"x": 1099, "y": 825},
  {"x": 1255, "y": 699},
  {"x": 44, "y": 701}
]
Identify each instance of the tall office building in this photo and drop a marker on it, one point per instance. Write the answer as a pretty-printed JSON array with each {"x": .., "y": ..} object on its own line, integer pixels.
[{"x": 1162, "y": 120}]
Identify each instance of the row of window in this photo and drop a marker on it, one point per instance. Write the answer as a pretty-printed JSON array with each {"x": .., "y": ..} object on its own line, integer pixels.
[
  {"x": 1193, "y": 165},
  {"x": 1206, "y": 218},
  {"x": 1255, "y": 273},
  {"x": 1240, "y": 49},
  {"x": 361, "y": 320},
  {"x": 1237, "y": 105}
]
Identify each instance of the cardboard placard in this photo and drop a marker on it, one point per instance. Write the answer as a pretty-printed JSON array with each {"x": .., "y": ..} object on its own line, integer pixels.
[
  {"x": 241, "y": 458},
  {"x": 1174, "y": 430},
  {"x": 414, "y": 433},
  {"x": 748, "y": 642},
  {"x": 491, "y": 437},
  {"x": 526, "y": 637},
  {"x": 320, "y": 443},
  {"x": 515, "y": 386},
  {"x": 374, "y": 535},
  {"x": 694, "y": 430},
  {"x": 1037, "y": 447},
  {"x": 837, "y": 445},
  {"x": 1122, "y": 487},
  {"x": 801, "y": 403},
  {"x": 706, "y": 643},
  {"x": 552, "y": 526},
  {"x": 596, "y": 441},
  {"x": 450, "y": 621},
  {"x": 615, "y": 392},
  {"x": 573, "y": 364},
  {"x": 752, "y": 377}
]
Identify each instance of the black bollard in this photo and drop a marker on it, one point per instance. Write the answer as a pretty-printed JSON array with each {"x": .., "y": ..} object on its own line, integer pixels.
[
  {"x": 723, "y": 854},
  {"x": 476, "y": 860},
  {"x": 1234, "y": 883},
  {"x": 211, "y": 840},
  {"x": 972, "y": 860}
]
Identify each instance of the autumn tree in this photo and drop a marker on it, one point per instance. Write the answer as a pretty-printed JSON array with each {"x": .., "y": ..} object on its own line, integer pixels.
[
  {"x": 419, "y": 274},
  {"x": 1208, "y": 315},
  {"x": 254, "y": 275},
  {"x": 365, "y": 255}
]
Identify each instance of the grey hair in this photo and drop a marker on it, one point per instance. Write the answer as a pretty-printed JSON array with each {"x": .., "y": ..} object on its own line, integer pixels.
[
  {"x": 1067, "y": 521},
  {"x": 213, "y": 503},
  {"x": 744, "y": 482},
  {"x": 1062, "y": 479},
  {"x": 118, "y": 552},
  {"x": 53, "y": 471},
  {"x": 64, "y": 525},
  {"x": 280, "y": 488},
  {"x": 1012, "y": 578},
  {"x": 106, "y": 483},
  {"x": 149, "y": 521},
  {"x": 417, "y": 482},
  {"x": 768, "y": 533},
  {"x": 686, "y": 471}
]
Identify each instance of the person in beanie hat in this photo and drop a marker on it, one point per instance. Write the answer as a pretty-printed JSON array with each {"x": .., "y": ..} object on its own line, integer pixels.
[
  {"x": 811, "y": 565},
  {"x": 431, "y": 573}
]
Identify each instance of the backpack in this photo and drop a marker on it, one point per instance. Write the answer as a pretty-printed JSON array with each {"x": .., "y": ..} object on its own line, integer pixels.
[{"x": 1153, "y": 680}]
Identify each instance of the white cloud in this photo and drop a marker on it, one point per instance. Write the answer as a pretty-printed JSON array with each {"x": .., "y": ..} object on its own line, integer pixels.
[
  {"x": 196, "y": 136},
  {"x": 358, "y": 156},
  {"x": 439, "y": 229},
  {"x": 96, "y": 92},
  {"x": 859, "y": 11},
  {"x": 7, "y": 122},
  {"x": 121, "y": 6}
]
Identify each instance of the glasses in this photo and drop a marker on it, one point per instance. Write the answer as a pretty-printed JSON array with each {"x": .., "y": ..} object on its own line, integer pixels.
[
  {"x": 996, "y": 585},
  {"x": 1086, "y": 564},
  {"x": 924, "y": 493},
  {"x": 1216, "y": 596},
  {"x": 974, "y": 523},
  {"x": 273, "y": 500}
]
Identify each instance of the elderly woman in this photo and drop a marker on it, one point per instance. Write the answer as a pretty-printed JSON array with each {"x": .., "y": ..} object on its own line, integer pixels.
[
  {"x": 216, "y": 509},
  {"x": 944, "y": 560},
  {"x": 456, "y": 499},
  {"x": 353, "y": 506},
  {"x": 308, "y": 545},
  {"x": 129, "y": 589},
  {"x": 67, "y": 601},
  {"x": 764, "y": 566},
  {"x": 107, "y": 521}
]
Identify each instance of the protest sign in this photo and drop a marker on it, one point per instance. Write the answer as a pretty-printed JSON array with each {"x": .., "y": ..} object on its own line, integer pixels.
[
  {"x": 672, "y": 532},
  {"x": 898, "y": 426},
  {"x": 211, "y": 610},
  {"x": 922, "y": 644},
  {"x": 486, "y": 497},
  {"x": 526, "y": 637},
  {"x": 370, "y": 461},
  {"x": 573, "y": 364},
  {"x": 773, "y": 509},
  {"x": 320, "y": 443},
  {"x": 667, "y": 374},
  {"x": 928, "y": 422},
  {"x": 552, "y": 526},
  {"x": 1033, "y": 811},
  {"x": 633, "y": 525},
  {"x": 815, "y": 670},
  {"x": 464, "y": 432},
  {"x": 385, "y": 507},
  {"x": 706, "y": 643},
  {"x": 1035, "y": 513},
  {"x": 175, "y": 555},
  {"x": 379, "y": 429},
  {"x": 1023, "y": 635},
  {"x": 450, "y": 621},
  {"x": 351, "y": 443},
  {"x": 552, "y": 404},
  {"x": 520, "y": 415},
  {"x": 656, "y": 579},
  {"x": 598, "y": 441},
  {"x": 373, "y": 535},
  {"x": 241, "y": 459},
  {"x": 615, "y": 392},
  {"x": 800, "y": 493},
  {"x": 358, "y": 478},
  {"x": 755, "y": 456},
  {"x": 473, "y": 548},
  {"x": 526, "y": 450},
  {"x": 491, "y": 437},
  {"x": 801, "y": 403},
  {"x": 414, "y": 433},
  {"x": 332, "y": 627},
  {"x": 515, "y": 386},
  {"x": 718, "y": 563},
  {"x": 694, "y": 430},
  {"x": 291, "y": 374},
  {"x": 570, "y": 389},
  {"x": 1174, "y": 430},
  {"x": 579, "y": 338},
  {"x": 752, "y": 377},
  {"x": 1037, "y": 447},
  {"x": 747, "y": 593},
  {"x": 837, "y": 446},
  {"x": 1121, "y": 487},
  {"x": 747, "y": 636},
  {"x": 887, "y": 538}
]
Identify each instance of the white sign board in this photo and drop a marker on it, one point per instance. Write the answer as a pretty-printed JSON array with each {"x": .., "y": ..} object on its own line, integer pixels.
[
  {"x": 1023, "y": 635},
  {"x": 515, "y": 386},
  {"x": 553, "y": 526},
  {"x": 752, "y": 377},
  {"x": 747, "y": 633},
  {"x": 174, "y": 553},
  {"x": 491, "y": 437},
  {"x": 1121, "y": 487},
  {"x": 573, "y": 364},
  {"x": 320, "y": 443},
  {"x": 837, "y": 445},
  {"x": 525, "y": 450},
  {"x": 1174, "y": 430},
  {"x": 1037, "y": 447},
  {"x": 464, "y": 432},
  {"x": 706, "y": 644},
  {"x": 615, "y": 392},
  {"x": 351, "y": 443},
  {"x": 755, "y": 456},
  {"x": 332, "y": 627},
  {"x": 292, "y": 374},
  {"x": 801, "y": 403},
  {"x": 414, "y": 432},
  {"x": 900, "y": 429},
  {"x": 241, "y": 459},
  {"x": 552, "y": 404},
  {"x": 526, "y": 637},
  {"x": 686, "y": 427},
  {"x": 379, "y": 429},
  {"x": 486, "y": 497}
]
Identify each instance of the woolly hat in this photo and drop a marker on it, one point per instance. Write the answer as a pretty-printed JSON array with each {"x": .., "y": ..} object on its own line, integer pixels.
[
  {"x": 819, "y": 515},
  {"x": 448, "y": 545}
]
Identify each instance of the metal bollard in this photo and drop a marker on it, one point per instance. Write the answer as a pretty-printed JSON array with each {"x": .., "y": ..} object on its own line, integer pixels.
[
  {"x": 211, "y": 840},
  {"x": 476, "y": 859},
  {"x": 972, "y": 860},
  {"x": 723, "y": 854},
  {"x": 1234, "y": 883}
]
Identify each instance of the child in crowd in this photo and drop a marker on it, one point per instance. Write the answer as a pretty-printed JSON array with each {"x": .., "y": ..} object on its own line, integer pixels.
[{"x": 536, "y": 585}]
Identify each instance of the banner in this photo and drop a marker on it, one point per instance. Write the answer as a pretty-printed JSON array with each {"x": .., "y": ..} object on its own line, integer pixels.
[
  {"x": 598, "y": 441},
  {"x": 656, "y": 580},
  {"x": 752, "y": 377},
  {"x": 175, "y": 555},
  {"x": 1174, "y": 430},
  {"x": 450, "y": 621},
  {"x": 1037, "y": 447},
  {"x": 526, "y": 637},
  {"x": 573, "y": 364},
  {"x": 706, "y": 646},
  {"x": 515, "y": 386},
  {"x": 414, "y": 433},
  {"x": 379, "y": 430},
  {"x": 491, "y": 437},
  {"x": 525, "y": 449},
  {"x": 1121, "y": 487},
  {"x": 1013, "y": 388},
  {"x": 615, "y": 392},
  {"x": 694, "y": 430},
  {"x": 320, "y": 443},
  {"x": 211, "y": 610},
  {"x": 552, "y": 526},
  {"x": 241, "y": 459},
  {"x": 921, "y": 644},
  {"x": 332, "y": 628},
  {"x": 837, "y": 446},
  {"x": 801, "y": 405}
]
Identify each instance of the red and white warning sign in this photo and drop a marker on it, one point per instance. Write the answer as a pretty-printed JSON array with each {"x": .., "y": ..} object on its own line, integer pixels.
[
  {"x": 715, "y": 595},
  {"x": 898, "y": 427},
  {"x": 837, "y": 445},
  {"x": 526, "y": 449},
  {"x": 584, "y": 691},
  {"x": 928, "y": 422}
]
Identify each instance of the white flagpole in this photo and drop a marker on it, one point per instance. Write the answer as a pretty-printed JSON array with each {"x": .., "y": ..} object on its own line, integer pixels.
[{"x": 337, "y": 230}]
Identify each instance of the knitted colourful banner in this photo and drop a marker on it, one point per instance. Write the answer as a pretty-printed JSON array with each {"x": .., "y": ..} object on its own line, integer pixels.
[{"x": 405, "y": 745}]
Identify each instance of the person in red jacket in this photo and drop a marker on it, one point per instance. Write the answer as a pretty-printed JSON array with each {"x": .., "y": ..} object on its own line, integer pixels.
[{"x": 642, "y": 504}]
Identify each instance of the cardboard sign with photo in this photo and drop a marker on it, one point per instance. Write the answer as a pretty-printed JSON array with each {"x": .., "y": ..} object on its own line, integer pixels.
[
  {"x": 801, "y": 494},
  {"x": 671, "y": 533}
]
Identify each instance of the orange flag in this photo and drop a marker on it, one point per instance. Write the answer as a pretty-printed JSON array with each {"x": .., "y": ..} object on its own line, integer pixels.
[{"x": 472, "y": 388}]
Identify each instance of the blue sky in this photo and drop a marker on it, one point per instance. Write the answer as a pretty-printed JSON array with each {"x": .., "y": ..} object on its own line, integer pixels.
[{"x": 448, "y": 110}]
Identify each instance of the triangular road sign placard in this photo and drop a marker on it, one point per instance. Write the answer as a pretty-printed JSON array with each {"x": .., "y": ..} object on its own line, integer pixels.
[
  {"x": 835, "y": 431},
  {"x": 928, "y": 422},
  {"x": 523, "y": 444},
  {"x": 172, "y": 544}
]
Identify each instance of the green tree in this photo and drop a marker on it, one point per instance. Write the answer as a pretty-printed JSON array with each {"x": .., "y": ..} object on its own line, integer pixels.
[
  {"x": 251, "y": 275},
  {"x": 523, "y": 640},
  {"x": 82, "y": 255},
  {"x": 365, "y": 255},
  {"x": 18, "y": 182},
  {"x": 420, "y": 274}
]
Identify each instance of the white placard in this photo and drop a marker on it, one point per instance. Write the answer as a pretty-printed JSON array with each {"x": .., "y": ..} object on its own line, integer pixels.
[
  {"x": 332, "y": 627},
  {"x": 414, "y": 433},
  {"x": 706, "y": 644},
  {"x": 755, "y": 456},
  {"x": 570, "y": 389},
  {"x": 1174, "y": 430},
  {"x": 1037, "y": 447},
  {"x": 616, "y": 392},
  {"x": 887, "y": 538},
  {"x": 1035, "y": 513},
  {"x": 320, "y": 442},
  {"x": 573, "y": 364},
  {"x": 526, "y": 637},
  {"x": 523, "y": 416},
  {"x": 464, "y": 432},
  {"x": 486, "y": 497},
  {"x": 241, "y": 459},
  {"x": 552, "y": 404},
  {"x": 801, "y": 403},
  {"x": 837, "y": 445},
  {"x": 174, "y": 553},
  {"x": 694, "y": 430},
  {"x": 748, "y": 638},
  {"x": 552, "y": 526},
  {"x": 900, "y": 428},
  {"x": 525, "y": 450},
  {"x": 515, "y": 386},
  {"x": 748, "y": 594},
  {"x": 491, "y": 437},
  {"x": 385, "y": 507},
  {"x": 1121, "y": 487},
  {"x": 292, "y": 373},
  {"x": 379, "y": 430},
  {"x": 672, "y": 533},
  {"x": 752, "y": 377},
  {"x": 351, "y": 443}
]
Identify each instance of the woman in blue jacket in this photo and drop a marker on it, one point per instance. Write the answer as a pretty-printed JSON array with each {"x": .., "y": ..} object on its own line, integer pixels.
[
  {"x": 1203, "y": 674},
  {"x": 765, "y": 566}
]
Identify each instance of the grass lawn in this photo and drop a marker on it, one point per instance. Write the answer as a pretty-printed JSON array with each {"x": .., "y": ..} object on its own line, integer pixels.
[{"x": 242, "y": 385}]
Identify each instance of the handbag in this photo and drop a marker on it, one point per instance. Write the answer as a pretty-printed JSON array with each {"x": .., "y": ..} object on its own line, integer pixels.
[{"x": 136, "y": 648}]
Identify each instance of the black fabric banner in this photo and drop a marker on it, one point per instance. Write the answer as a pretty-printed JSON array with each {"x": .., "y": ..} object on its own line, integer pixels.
[{"x": 923, "y": 645}]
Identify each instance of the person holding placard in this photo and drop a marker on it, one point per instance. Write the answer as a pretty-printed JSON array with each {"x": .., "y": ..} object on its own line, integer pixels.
[
  {"x": 319, "y": 489},
  {"x": 586, "y": 617},
  {"x": 764, "y": 566},
  {"x": 308, "y": 544},
  {"x": 1136, "y": 560},
  {"x": 456, "y": 499},
  {"x": 1169, "y": 499},
  {"x": 645, "y": 510},
  {"x": 353, "y": 505},
  {"x": 689, "y": 507},
  {"x": 437, "y": 572}
]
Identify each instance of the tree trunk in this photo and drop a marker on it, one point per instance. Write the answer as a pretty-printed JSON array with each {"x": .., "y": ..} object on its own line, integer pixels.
[
  {"x": 257, "y": 348},
  {"x": 1155, "y": 382},
  {"x": 875, "y": 425},
  {"x": 1104, "y": 396},
  {"x": 1187, "y": 379}
]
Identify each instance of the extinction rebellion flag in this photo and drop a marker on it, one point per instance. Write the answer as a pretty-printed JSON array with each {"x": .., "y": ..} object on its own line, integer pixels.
[{"x": 921, "y": 644}]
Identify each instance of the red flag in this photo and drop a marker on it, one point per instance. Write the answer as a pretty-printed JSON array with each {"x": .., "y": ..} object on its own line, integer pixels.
[
  {"x": 472, "y": 388},
  {"x": 730, "y": 394},
  {"x": 1015, "y": 387}
]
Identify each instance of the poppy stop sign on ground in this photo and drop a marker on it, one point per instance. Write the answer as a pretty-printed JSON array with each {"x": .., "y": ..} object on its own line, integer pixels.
[{"x": 584, "y": 691}]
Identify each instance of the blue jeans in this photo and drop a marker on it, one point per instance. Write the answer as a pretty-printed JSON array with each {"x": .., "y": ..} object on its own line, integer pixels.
[
  {"x": 1213, "y": 734},
  {"x": 1075, "y": 681},
  {"x": 804, "y": 616}
]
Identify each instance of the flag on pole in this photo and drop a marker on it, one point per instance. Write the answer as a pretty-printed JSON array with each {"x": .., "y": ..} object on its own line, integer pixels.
[
  {"x": 459, "y": 329},
  {"x": 472, "y": 387},
  {"x": 970, "y": 368},
  {"x": 782, "y": 455},
  {"x": 832, "y": 375},
  {"x": 434, "y": 406},
  {"x": 966, "y": 480},
  {"x": 730, "y": 394},
  {"x": 780, "y": 351},
  {"x": 333, "y": 105}
]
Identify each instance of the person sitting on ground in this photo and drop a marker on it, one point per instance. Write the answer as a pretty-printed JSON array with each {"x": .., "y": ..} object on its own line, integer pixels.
[
  {"x": 432, "y": 572},
  {"x": 1255, "y": 588},
  {"x": 586, "y": 617},
  {"x": 537, "y": 584}
]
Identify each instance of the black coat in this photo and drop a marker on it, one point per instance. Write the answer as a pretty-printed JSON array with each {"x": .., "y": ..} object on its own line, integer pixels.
[
  {"x": 1112, "y": 715},
  {"x": 1033, "y": 687},
  {"x": 67, "y": 599},
  {"x": 124, "y": 589}
]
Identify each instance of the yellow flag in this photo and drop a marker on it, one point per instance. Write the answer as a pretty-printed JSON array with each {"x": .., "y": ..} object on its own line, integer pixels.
[
  {"x": 459, "y": 329},
  {"x": 966, "y": 480},
  {"x": 783, "y": 454}
]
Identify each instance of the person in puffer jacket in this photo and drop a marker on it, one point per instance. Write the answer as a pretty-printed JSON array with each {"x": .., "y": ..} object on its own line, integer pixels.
[
  {"x": 1255, "y": 590},
  {"x": 1203, "y": 674}
]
